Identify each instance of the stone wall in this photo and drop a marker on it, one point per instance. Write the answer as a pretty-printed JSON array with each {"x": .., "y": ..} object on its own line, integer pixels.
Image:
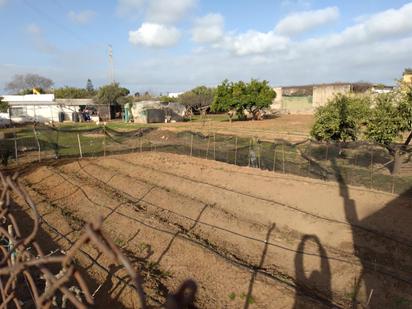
[{"x": 323, "y": 93}]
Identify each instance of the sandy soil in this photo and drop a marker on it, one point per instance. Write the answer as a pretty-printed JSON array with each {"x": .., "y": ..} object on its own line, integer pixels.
[
  {"x": 288, "y": 127},
  {"x": 249, "y": 238}
]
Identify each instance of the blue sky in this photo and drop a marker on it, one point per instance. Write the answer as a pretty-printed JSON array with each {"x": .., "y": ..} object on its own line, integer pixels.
[{"x": 164, "y": 45}]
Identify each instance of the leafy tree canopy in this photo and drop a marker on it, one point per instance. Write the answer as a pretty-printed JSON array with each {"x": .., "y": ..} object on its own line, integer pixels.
[
  {"x": 341, "y": 119},
  {"x": 167, "y": 99},
  {"x": 89, "y": 85},
  {"x": 21, "y": 82},
  {"x": 4, "y": 106},
  {"x": 110, "y": 94},
  {"x": 240, "y": 96},
  {"x": 73, "y": 93},
  {"x": 391, "y": 117},
  {"x": 197, "y": 99}
]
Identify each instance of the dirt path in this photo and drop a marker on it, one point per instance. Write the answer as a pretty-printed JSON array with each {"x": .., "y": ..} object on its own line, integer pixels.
[{"x": 248, "y": 237}]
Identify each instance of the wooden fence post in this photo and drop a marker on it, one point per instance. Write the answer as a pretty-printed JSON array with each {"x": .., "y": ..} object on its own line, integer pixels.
[
  {"x": 80, "y": 146},
  {"x": 141, "y": 144},
  {"x": 274, "y": 159},
  {"x": 283, "y": 157}
]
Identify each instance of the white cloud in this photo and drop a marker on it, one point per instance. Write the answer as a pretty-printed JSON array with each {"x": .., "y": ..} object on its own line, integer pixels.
[
  {"x": 388, "y": 24},
  {"x": 39, "y": 41},
  {"x": 81, "y": 17},
  {"x": 130, "y": 7},
  {"x": 154, "y": 35},
  {"x": 303, "y": 21},
  {"x": 208, "y": 29},
  {"x": 254, "y": 42},
  {"x": 167, "y": 11}
]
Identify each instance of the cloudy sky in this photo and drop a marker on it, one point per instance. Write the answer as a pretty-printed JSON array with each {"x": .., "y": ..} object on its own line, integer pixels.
[{"x": 173, "y": 45}]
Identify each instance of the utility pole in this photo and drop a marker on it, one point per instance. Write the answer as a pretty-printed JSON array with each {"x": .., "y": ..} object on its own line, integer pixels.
[{"x": 111, "y": 69}]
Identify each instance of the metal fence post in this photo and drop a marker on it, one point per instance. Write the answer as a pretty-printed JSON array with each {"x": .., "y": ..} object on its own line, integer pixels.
[
  {"x": 371, "y": 168},
  {"x": 235, "y": 150},
  {"x": 80, "y": 146},
  {"x": 310, "y": 154},
  {"x": 208, "y": 145},
  {"x": 250, "y": 148},
  {"x": 57, "y": 142},
  {"x": 37, "y": 141},
  {"x": 393, "y": 183},
  {"x": 15, "y": 146},
  {"x": 104, "y": 141},
  {"x": 191, "y": 144},
  {"x": 214, "y": 145}
]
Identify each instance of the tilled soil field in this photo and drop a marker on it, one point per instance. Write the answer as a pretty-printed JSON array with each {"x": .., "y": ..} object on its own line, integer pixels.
[{"x": 249, "y": 238}]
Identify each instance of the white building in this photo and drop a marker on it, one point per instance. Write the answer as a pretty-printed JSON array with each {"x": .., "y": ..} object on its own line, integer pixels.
[
  {"x": 174, "y": 94},
  {"x": 42, "y": 107}
]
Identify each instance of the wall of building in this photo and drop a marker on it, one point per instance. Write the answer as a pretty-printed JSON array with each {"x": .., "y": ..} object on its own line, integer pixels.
[
  {"x": 297, "y": 105},
  {"x": 323, "y": 93},
  {"x": 40, "y": 113},
  {"x": 277, "y": 102},
  {"x": 407, "y": 78}
]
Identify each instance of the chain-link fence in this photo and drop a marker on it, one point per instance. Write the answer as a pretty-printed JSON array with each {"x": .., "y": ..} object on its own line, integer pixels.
[{"x": 360, "y": 164}]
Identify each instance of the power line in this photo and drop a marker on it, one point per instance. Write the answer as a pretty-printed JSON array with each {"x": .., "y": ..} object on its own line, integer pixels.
[{"x": 53, "y": 21}]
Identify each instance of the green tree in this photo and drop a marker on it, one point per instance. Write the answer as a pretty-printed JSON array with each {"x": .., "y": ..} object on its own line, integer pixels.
[
  {"x": 198, "y": 100},
  {"x": 167, "y": 99},
  {"x": 73, "y": 93},
  {"x": 341, "y": 119},
  {"x": 110, "y": 94},
  {"x": 89, "y": 86},
  {"x": 389, "y": 120},
  {"x": 4, "y": 106},
  {"x": 238, "y": 97}
]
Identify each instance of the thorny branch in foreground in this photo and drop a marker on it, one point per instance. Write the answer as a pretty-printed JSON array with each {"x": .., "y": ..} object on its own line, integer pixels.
[{"x": 28, "y": 277}]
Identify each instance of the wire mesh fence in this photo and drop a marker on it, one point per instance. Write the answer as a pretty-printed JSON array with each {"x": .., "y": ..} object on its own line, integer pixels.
[
  {"x": 361, "y": 164},
  {"x": 30, "y": 278}
]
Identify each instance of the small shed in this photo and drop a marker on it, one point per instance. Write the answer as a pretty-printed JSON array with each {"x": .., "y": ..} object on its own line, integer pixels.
[{"x": 156, "y": 112}]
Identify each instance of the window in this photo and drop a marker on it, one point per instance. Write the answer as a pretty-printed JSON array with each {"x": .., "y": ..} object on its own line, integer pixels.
[{"x": 18, "y": 111}]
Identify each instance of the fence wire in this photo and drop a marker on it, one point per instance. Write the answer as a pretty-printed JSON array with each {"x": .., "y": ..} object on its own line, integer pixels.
[
  {"x": 362, "y": 164},
  {"x": 30, "y": 278}
]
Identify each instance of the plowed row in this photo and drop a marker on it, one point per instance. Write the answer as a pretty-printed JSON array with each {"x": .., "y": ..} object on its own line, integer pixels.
[{"x": 239, "y": 233}]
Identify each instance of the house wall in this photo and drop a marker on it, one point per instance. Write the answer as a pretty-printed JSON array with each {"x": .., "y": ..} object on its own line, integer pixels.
[
  {"x": 407, "y": 78},
  {"x": 40, "y": 113},
  {"x": 277, "y": 102},
  {"x": 297, "y": 105},
  {"x": 323, "y": 93}
]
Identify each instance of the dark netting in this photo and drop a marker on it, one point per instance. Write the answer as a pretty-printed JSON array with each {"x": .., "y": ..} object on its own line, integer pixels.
[{"x": 357, "y": 164}]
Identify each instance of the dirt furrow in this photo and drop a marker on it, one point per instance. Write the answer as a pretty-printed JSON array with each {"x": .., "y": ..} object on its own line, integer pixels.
[{"x": 177, "y": 247}]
